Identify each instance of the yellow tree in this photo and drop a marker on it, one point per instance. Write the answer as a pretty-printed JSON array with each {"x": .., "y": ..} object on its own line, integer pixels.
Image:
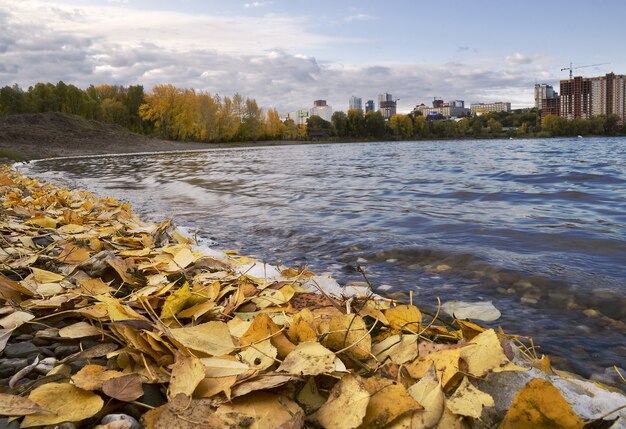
[
  {"x": 273, "y": 125},
  {"x": 159, "y": 108},
  {"x": 402, "y": 126}
]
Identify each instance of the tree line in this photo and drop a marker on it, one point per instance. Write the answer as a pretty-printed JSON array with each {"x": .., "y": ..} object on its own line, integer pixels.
[{"x": 186, "y": 114}]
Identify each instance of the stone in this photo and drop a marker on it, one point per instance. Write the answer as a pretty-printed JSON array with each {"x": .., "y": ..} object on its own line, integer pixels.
[
  {"x": 20, "y": 350},
  {"x": 5, "y": 424},
  {"x": 132, "y": 423},
  {"x": 23, "y": 337},
  {"x": 40, "y": 342},
  {"x": 63, "y": 351},
  {"x": 46, "y": 365},
  {"x": 8, "y": 367}
]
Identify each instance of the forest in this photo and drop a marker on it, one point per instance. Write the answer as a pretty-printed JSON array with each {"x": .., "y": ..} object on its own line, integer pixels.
[{"x": 190, "y": 115}]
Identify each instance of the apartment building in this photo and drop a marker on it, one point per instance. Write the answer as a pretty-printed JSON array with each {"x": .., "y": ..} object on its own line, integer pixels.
[
  {"x": 478, "y": 109},
  {"x": 588, "y": 97}
]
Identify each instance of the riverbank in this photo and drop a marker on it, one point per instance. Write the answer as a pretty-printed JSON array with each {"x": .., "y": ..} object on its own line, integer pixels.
[{"x": 101, "y": 306}]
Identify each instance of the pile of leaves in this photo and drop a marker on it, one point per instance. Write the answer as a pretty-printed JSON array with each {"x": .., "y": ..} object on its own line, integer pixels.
[{"x": 225, "y": 348}]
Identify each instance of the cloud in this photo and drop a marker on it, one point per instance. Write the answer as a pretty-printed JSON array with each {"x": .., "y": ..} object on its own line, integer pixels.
[
  {"x": 517, "y": 59},
  {"x": 257, "y": 4},
  {"x": 359, "y": 17},
  {"x": 95, "y": 45}
]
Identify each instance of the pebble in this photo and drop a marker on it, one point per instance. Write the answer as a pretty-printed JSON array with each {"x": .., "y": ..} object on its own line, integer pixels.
[
  {"x": 5, "y": 424},
  {"x": 131, "y": 422},
  {"x": 23, "y": 337},
  {"x": 8, "y": 367},
  {"x": 590, "y": 312},
  {"x": 46, "y": 365},
  {"x": 20, "y": 350},
  {"x": 63, "y": 351},
  {"x": 40, "y": 342}
]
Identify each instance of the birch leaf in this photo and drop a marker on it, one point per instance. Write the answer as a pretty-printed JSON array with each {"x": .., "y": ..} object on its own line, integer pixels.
[
  {"x": 212, "y": 338},
  {"x": 62, "y": 402},
  {"x": 399, "y": 348},
  {"x": 267, "y": 411},
  {"x": 346, "y": 405},
  {"x": 125, "y": 388},
  {"x": 484, "y": 354},
  {"x": 388, "y": 401},
  {"x": 404, "y": 317},
  {"x": 12, "y": 405},
  {"x": 187, "y": 372},
  {"x": 79, "y": 330},
  {"x": 43, "y": 276},
  {"x": 349, "y": 333},
  {"x": 468, "y": 401},
  {"x": 309, "y": 358}
]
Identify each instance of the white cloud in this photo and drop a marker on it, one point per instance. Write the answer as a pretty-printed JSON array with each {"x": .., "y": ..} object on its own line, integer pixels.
[
  {"x": 517, "y": 59},
  {"x": 257, "y": 4},
  {"x": 359, "y": 17},
  {"x": 257, "y": 57}
]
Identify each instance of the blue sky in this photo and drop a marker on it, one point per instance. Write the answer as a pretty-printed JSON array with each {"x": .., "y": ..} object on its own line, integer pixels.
[{"x": 287, "y": 53}]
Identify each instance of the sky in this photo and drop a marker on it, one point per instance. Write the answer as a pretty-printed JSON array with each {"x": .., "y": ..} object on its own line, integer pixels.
[{"x": 287, "y": 53}]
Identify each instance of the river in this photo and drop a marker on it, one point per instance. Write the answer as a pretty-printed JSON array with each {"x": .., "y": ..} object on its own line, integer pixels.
[{"x": 538, "y": 226}]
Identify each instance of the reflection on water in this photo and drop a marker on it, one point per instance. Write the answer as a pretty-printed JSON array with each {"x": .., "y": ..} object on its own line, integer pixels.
[{"x": 536, "y": 225}]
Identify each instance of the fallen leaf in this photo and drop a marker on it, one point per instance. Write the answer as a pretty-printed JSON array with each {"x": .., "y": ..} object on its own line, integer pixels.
[
  {"x": 404, "y": 317},
  {"x": 5, "y": 334},
  {"x": 92, "y": 377},
  {"x": 346, "y": 405},
  {"x": 62, "y": 402},
  {"x": 43, "y": 276},
  {"x": 540, "y": 405},
  {"x": 125, "y": 388},
  {"x": 262, "y": 382},
  {"x": 73, "y": 255},
  {"x": 223, "y": 366},
  {"x": 212, "y": 338},
  {"x": 12, "y": 405},
  {"x": 428, "y": 393},
  {"x": 16, "y": 319},
  {"x": 260, "y": 355},
  {"x": 468, "y": 401},
  {"x": 42, "y": 221},
  {"x": 310, "y": 398},
  {"x": 446, "y": 363},
  {"x": 310, "y": 358},
  {"x": 79, "y": 330},
  {"x": 481, "y": 310},
  {"x": 398, "y": 348},
  {"x": 389, "y": 400},
  {"x": 349, "y": 333},
  {"x": 484, "y": 354},
  {"x": 93, "y": 352},
  {"x": 267, "y": 411},
  {"x": 187, "y": 372},
  {"x": 209, "y": 387},
  {"x": 176, "y": 301}
]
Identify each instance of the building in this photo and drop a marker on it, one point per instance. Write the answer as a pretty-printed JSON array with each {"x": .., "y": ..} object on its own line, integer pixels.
[
  {"x": 452, "y": 109},
  {"x": 355, "y": 103},
  {"x": 544, "y": 91},
  {"x": 369, "y": 106},
  {"x": 550, "y": 106},
  {"x": 386, "y": 105},
  {"x": 299, "y": 117},
  {"x": 588, "y": 97},
  {"x": 321, "y": 109},
  {"x": 478, "y": 109}
]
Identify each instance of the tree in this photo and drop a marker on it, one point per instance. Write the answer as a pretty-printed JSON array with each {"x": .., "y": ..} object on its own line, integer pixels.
[
  {"x": 11, "y": 100},
  {"x": 114, "y": 112},
  {"x": 273, "y": 125},
  {"x": 374, "y": 125},
  {"x": 555, "y": 125},
  {"x": 290, "y": 131},
  {"x": 317, "y": 127},
  {"x": 494, "y": 125},
  {"x": 401, "y": 126},
  {"x": 252, "y": 121},
  {"x": 340, "y": 123},
  {"x": 356, "y": 123}
]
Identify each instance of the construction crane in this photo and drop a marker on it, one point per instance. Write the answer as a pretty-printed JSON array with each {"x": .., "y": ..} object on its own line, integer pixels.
[{"x": 571, "y": 69}]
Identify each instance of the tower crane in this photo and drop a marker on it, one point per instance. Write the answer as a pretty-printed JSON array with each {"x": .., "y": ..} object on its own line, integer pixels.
[{"x": 571, "y": 68}]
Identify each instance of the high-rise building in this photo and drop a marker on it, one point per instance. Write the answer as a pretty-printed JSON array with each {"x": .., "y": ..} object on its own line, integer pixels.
[
  {"x": 319, "y": 103},
  {"x": 356, "y": 103},
  {"x": 386, "y": 105},
  {"x": 321, "y": 109},
  {"x": 544, "y": 91},
  {"x": 452, "y": 109},
  {"x": 369, "y": 106},
  {"x": 588, "y": 97}
]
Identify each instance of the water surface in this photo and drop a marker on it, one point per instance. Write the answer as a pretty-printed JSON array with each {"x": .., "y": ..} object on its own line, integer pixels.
[{"x": 537, "y": 226}]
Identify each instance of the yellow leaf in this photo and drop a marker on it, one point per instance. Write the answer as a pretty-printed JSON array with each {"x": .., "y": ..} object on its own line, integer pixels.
[
  {"x": 267, "y": 411},
  {"x": 15, "y": 319},
  {"x": 42, "y": 222},
  {"x": 187, "y": 372},
  {"x": 62, "y": 402},
  {"x": 175, "y": 302},
  {"x": 196, "y": 311},
  {"x": 262, "y": 382},
  {"x": 349, "y": 332},
  {"x": 79, "y": 330},
  {"x": 12, "y": 405},
  {"x": 540, "y": 405},
  {"x": 446, "y": 363},
  {"x": 309, "y": 358},
  {"x": 398, "y": 348},
  {"x": 43, "y": 276},
  {"x": 428, "y": 393},
  {"x": 94, "y": 287},
  {"x": 71, "y": 228},
  {"x": 184, "y": 257},
  {"x": 119, "y": 311},
  {"x": 310, "y": 398},
  {"x": 404, "y": 317},
  {"x": 225, "y": 366},
  {"x": 261, "y": 329},
  {"x": 467, "y": 400},
  {"x": 91, "y": 377},
  {"x": 388, "y": 401},
  {"x": 484, "y": 354},
  {"x": 212, "y": 386},
  {"x": 73, "y": 255},
  {"x": 260, "y": 355},
  {"x": 346, "y": 405},
  {"x": 212, "y": 338},
  {"x": 301, "y": 331}
]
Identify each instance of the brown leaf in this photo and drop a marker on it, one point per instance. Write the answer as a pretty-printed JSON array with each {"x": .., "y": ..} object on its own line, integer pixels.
[
  {"x": 93, "y": 352},
  {"x": 79, "y": 330},
  {"x": 346, "y": 405},
  {"x": 349, "y": 333},
  {"x": 389, "y": 400},
  {"x": 125, "y": 388},
  {"x": 12, "y": 405}
]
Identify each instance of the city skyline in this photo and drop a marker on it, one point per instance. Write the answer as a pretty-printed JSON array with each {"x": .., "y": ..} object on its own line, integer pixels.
[{"x": 286, "y": 54}]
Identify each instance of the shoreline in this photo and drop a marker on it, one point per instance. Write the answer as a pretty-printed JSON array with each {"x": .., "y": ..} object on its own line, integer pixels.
[{"x": 260, "y": 311}]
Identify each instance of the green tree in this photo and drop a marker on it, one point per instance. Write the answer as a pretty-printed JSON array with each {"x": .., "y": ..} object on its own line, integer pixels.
[
  {"x": 11, "y": 100},
  {"x": 114, "y": 112},
  {"x": 356, "y": 123},
  {"x": 318, "y": 128},
  {"x": 340, "y": 123},
  {"x": 495, "y": 127},
  {"x": 374, "y": 125}
]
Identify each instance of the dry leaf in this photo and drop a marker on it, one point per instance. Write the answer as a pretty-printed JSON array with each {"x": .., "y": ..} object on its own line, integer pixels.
[
  {"x": 91, "y": 377},
  {"x": 349, "y": 333},
  {"x": 262, "y": 382},
  {"x": 223, "y": 366},
  {"x": 187, "y": 372},
  {"x": 62, "y": 402},
  {"x": 176, "y": 301},
  {"x": 212, "y": 338},
  {"x": 346, "y": 405},
  {"x": 73, "y": 255},
  {"x": 43, "y": 276},
  {"x": 389, "y": 400},
  {"x": 79, "y": 330},
  {"x": 540, "y": 405},
  {"x": 428, "y": 393},
  {"x": 267, "y": 411},
  {"x": 12, "y": 405},
  {"x": 310, "y": 398},
  {"x": 484, "y": 354},
  {"x": 309, "y": 358},
  {"x": 125, "y": 388},
  {"x": 398, "y": 348},
  {"x": 446, "y": 363},
  {"x": 481, "y": 310},
  {"x": 15, "y": 319},
  {"x": 42, "y": 221},
  {"x": 467, "y": 400},
  {"x": 260, "y": 356},
  {"x": 404, "y": 317},
  {"x": 209, "y": 387}
]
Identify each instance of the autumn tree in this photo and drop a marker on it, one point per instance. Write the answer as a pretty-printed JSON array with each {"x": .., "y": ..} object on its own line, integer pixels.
[
  {"x": 273, "y": 125},
  {"x": 401, "y": 126}
]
